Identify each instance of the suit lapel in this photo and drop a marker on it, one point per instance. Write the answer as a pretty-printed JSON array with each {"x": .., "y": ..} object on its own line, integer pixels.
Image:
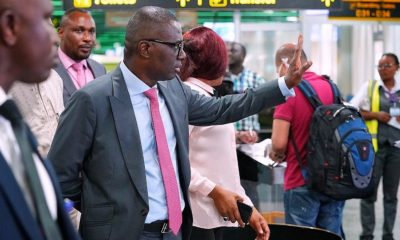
[
  {"x": 178, "y": 117},
  {"x": 67, "y": 81},
  {"x": 16, "y": 200},
  {"x": 50, "y": 172},
  {"x": 128, "y": 133},
  {"x": 63, "y": 219},
  {"x": 94, "y": 68},
  {"x": 173, "y": 106}
]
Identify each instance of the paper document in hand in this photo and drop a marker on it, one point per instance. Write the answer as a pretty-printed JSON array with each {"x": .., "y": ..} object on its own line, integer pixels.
[{"x": 255, "y": 149}]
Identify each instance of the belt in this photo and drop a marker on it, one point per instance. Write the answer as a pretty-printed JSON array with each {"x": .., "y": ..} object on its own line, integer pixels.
[{"x": 160, "y": 226}]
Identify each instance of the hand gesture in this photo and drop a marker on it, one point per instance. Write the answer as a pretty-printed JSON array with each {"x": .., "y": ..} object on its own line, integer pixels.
[{"x": 296, "y": 69}]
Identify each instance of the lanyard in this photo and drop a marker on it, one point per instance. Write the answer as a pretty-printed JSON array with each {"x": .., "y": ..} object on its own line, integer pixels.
[{"x": 393, "y": 98}]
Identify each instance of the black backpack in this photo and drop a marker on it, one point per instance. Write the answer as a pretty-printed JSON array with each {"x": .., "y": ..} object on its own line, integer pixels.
[{"x": 340, "y": 155}]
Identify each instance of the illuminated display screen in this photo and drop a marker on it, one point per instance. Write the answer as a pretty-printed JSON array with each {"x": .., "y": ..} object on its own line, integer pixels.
[
  {"x": 378, "y": 10},
  {"x": 205, "y": 4}
]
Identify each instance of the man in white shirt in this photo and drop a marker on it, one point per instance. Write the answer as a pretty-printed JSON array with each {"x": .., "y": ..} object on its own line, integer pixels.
[{"x": 41, "y": 105}]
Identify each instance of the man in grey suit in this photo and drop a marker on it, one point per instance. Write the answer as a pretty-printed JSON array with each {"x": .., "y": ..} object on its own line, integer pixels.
[
  {"x": 77, "y": 33},
  {"x": 106, "y": 150}
]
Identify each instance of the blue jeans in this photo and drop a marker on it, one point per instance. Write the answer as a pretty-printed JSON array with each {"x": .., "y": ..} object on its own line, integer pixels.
[{"x": 306, "y": 207}]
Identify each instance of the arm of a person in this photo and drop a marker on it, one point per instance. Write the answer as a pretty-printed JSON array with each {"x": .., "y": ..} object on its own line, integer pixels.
[
  {"x": 199, "y": 183},
  {"x": 259, "y": 225},
  {"x": 232, "y": 108},
  {"x": 72, "y": 142},
  {"x": 224, "y": 200},
  {"x": 248, "y": 137},
  {"x": 279, "y": 139},
  {"x": 361, "y": 100},
  {"x": 226, "y": 203},
  {"x": 205, "y": 111},
  {"x": 381, "y": 116}
]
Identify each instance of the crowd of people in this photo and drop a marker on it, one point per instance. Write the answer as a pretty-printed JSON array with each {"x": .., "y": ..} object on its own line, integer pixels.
[{"x": 148, "y": 150}]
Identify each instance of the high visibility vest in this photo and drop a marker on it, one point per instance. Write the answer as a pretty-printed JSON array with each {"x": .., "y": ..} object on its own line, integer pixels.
[{"x": 374, "y": 100}]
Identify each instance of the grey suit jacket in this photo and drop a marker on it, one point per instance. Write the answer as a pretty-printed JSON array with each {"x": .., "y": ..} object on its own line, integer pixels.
[
  {"x": 98, "y": 156},
  {"x": 69, "y": 87}
]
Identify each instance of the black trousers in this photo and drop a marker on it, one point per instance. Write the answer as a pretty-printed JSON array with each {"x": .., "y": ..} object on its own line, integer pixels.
[{"x": 207, "y": 234}]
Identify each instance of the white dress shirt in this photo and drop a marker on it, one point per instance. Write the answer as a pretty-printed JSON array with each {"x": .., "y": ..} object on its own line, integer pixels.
[
  {"x": 361, "y": 99},
  {"x": 11, "y": 152}
]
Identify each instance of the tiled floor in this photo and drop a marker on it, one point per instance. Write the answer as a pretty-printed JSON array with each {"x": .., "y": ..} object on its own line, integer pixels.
[{"x": 271, "y": 199}]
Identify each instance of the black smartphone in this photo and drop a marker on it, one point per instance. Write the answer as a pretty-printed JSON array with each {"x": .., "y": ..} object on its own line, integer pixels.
[{"x": 245, "y": 211}]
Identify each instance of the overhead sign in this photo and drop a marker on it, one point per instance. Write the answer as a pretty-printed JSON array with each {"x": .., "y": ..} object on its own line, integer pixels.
[
  {"x": 205, "y": 4},
  {"x": 369, "y": 10}
]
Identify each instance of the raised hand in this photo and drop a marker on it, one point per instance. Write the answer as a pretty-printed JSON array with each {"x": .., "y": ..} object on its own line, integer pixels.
[{"x": 296, "y": 68}]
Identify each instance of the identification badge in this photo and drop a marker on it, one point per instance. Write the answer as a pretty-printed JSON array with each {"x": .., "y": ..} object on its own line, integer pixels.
[{"x": 394, "y": 111}]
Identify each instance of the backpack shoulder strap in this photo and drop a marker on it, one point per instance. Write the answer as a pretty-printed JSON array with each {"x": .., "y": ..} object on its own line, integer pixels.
[
  {"x": 309, "y": 92},
  {"x": 337, "y": 96}
]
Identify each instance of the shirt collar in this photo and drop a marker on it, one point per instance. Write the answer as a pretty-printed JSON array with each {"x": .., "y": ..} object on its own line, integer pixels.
[
  {"x": 67, "y": 61},
  {"x": 134, "y": 84},
  {"x": 239, "y": 74},
  {"x": 201, "y": 85},
  {"x": 395, "y": 88}
]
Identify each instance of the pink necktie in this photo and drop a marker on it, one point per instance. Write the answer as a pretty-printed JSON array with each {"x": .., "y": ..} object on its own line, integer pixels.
[
  {"x": 80, "y": 74},
  {"x": 167, "y": 170}
]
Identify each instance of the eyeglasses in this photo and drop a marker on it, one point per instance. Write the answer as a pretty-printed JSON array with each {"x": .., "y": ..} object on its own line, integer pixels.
[
  {"x": 177, "y": 45},
  {"x": 385, "y": 66}
]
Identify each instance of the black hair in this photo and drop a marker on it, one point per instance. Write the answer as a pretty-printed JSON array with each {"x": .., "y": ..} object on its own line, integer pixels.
[
  {"x": 392, "y": 55},
  {"x": 69, "y": 12}
]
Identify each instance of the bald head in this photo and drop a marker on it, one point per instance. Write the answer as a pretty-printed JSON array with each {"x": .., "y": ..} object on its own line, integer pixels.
[
  {"x": 153, "y": 45},
  {"x": 146, "y": 23},
  {"x": 286, "y": 51}
]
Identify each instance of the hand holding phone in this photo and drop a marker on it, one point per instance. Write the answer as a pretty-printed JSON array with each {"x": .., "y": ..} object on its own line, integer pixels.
[{"x": 245, "y": 211}]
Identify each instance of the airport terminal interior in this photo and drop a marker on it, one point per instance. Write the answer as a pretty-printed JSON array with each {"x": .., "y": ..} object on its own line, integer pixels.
[{"x": 347, "y": 49}]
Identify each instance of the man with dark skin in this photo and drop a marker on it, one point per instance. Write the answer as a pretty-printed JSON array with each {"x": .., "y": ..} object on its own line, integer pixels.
[
  {"x": 108, "y": 153},
  {"x": 77, "y": 33},
  {"x": 236, "y": 56},
  {"x": 246, "y": 129},
  {"x": 28, "y": 209}
]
